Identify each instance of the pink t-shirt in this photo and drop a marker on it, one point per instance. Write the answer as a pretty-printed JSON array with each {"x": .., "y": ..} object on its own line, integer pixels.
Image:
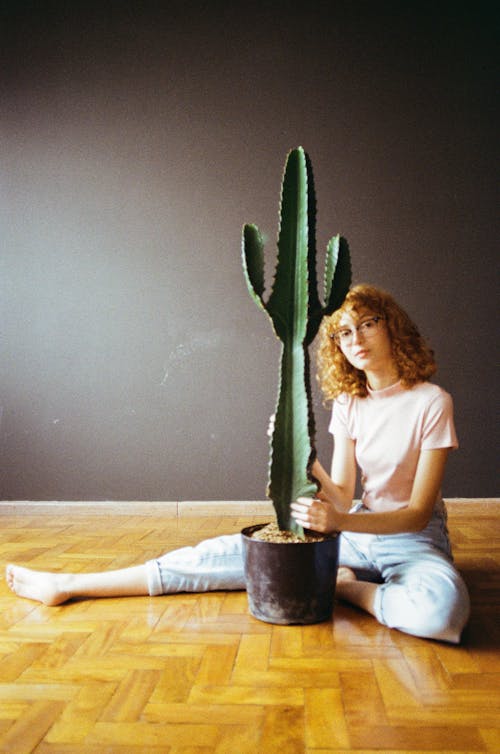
[{"x": 390, "y": 427}]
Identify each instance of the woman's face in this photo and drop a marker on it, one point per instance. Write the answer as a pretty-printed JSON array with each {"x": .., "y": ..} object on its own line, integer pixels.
[{"x": 365, "y": 341}]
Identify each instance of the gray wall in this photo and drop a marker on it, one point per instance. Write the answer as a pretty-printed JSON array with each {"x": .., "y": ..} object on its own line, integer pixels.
[{"x": 137, "y": 138}]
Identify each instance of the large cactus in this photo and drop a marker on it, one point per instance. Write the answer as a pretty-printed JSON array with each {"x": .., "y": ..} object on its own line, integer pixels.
[{"x": 296, "y": 313}]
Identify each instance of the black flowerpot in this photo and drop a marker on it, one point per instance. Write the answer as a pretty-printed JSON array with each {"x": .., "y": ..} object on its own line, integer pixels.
[{"x": 290, "y": 582}]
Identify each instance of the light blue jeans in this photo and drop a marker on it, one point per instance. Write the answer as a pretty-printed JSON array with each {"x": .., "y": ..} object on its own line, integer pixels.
[{"x": 420, "y": 591}]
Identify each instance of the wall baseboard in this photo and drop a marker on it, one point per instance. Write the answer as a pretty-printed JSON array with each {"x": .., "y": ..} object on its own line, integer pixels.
[
  {"x": 181, "y": 509},
  {"x": 167, "y": 509}
]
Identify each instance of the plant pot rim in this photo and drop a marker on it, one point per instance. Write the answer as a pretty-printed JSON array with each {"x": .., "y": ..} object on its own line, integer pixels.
[{"x": 248, "y": 531}]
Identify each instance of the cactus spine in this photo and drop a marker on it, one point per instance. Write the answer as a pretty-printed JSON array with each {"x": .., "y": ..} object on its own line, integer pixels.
[{"x": 296, "y": 312}]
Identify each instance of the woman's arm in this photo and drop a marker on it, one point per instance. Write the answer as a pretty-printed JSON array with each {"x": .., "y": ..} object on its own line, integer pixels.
[
  {"x": 339, "y": 487},
  {"x": 323, "y": 515}
]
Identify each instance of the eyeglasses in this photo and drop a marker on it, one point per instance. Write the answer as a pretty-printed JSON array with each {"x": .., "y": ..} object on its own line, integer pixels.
[{"x": 368, "y": 328}]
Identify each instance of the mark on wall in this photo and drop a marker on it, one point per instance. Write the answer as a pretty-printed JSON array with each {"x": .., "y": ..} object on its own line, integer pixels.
[{"x": 197, "y": 343}]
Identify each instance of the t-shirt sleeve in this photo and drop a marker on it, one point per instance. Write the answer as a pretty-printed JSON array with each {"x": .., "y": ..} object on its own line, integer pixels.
[
  {"x": 439, "y": 426},
  {"x": 339, "y": 422}
]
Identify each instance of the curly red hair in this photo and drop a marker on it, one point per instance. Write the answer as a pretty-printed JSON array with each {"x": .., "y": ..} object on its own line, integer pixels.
[{"x": 413, "y": 358}]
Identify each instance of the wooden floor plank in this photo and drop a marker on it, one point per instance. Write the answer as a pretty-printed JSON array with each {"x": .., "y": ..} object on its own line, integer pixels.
[
  {"x": 29, "y": 729},
  {"x": 325, "y": 723}
]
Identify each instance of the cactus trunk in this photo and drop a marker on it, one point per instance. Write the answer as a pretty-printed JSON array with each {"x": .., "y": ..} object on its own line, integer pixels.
[{"x": 291, "y": 448}]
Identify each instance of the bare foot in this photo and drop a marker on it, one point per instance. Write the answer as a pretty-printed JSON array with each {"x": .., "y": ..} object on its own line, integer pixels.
[
  {"x": 37, "y": 585},
  {"x": 345, "y": 574},
  {"x": 356, "y": 592},
  {"x": 345, "y": 577}
]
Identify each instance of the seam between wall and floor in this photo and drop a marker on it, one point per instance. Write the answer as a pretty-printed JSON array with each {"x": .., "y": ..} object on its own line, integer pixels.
[{"x": 179, "y": 509}]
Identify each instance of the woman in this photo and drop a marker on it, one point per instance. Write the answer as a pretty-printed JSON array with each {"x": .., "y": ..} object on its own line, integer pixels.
[{"x": 395, "y": 557}]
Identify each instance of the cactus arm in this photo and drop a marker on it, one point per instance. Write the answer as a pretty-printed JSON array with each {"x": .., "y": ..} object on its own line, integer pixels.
[
  {"x": 253, "y": 262},
  {"x": 337, "y": 273},
  {"x": 332, "y": 254}
]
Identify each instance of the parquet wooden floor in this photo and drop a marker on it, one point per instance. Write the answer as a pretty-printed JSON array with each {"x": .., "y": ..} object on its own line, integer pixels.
[{"x": 196, "y": 674}]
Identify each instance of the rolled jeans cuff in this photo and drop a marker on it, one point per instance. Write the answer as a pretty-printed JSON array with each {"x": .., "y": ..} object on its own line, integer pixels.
[{"x": 153, "y": 578}]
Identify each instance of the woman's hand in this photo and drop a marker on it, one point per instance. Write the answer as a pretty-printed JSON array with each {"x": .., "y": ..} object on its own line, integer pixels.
[{"x": 317, "y": 514}]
